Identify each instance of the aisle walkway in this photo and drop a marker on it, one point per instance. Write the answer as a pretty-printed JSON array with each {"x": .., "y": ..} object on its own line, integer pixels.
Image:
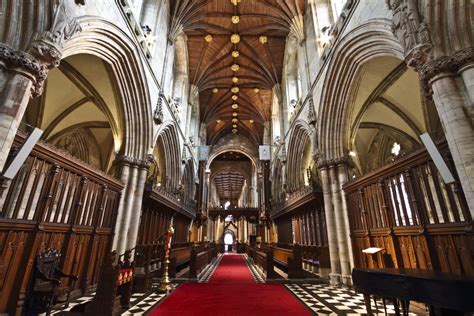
[{"x": 231, "y": 291}]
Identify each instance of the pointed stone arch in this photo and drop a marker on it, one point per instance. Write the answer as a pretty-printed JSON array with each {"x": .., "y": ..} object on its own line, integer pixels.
[{"x": 371, "y": 40}]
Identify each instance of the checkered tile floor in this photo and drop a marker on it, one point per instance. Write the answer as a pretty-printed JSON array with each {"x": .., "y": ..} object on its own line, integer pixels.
[
  {"x": 145, "y": 304},
  {"x": 324, "y": 299},
  {"x": 140, "y": 303},
  {"x": 206, "y": 274},
  {"x": 257, "y": 275}
]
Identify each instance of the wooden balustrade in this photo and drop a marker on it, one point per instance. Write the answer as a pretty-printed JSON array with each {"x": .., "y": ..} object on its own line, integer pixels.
[
  {"x": 408, "y": 211},
  {"x": 58, "y": 202}
]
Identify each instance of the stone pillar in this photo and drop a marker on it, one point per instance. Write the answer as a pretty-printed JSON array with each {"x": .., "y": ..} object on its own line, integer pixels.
[
  {"x": 21, "y": 76},
  {"x": 136, "y": 210},
  {"x": 128, "y": 197},
  {"x": 455, "y": 109},
  {"x": 246, "y": 236},
  {"x": 342, "y": 174},
  {"x": 335, "y": 274},
  {"x": 124, "y": 176},
  {"x": 340, "y": 226}
]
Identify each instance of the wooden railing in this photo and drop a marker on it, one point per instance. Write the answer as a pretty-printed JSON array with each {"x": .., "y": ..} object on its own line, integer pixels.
[
  {"x": 408, "y": 211},
  {"x": 59, "y": 202}
]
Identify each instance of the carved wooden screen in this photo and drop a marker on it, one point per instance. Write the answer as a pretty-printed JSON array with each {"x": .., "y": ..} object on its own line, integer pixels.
[
  {"x": 406, "y": 209},
  {"x": 58, "y": 202}
]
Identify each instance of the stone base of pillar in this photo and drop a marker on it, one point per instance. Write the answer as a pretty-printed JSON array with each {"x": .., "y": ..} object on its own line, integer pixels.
[
  {"x": 347, "y": 280},
  {"x": 324, "y": 272},
  {"x": 335, "y": 279}
]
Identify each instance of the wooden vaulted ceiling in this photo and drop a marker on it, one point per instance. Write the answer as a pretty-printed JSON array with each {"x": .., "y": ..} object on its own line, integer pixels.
[
  {"x": 209, "y": 26},
  {"x": 229, "y": 185}
]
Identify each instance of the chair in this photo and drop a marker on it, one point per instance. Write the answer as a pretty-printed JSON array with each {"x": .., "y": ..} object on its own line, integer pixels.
[{"x": 46, "y": 291}]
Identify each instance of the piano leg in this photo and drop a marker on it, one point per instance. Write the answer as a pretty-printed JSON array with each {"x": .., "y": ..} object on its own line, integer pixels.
[
  {"x": 405, "y": 307},
  {"x": 368, "y": 306},
  {"x": 396, "y": 306}
]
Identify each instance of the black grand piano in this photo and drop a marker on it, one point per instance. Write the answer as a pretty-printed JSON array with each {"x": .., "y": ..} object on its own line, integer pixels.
[{"x": 444, "y": 293}]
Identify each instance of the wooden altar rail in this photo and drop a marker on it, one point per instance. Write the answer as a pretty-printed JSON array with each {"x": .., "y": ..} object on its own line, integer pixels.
[
  {"x": 417, "y": 220},
  {"x": 58, "y": 202}
]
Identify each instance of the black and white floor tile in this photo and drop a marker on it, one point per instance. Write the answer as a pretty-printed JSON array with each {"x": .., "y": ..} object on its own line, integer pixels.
[
  {"x": 324, "y": 299},
  {"x": 145, "y": 304},
  {"x": 257, "y": 274},
  {"x": 207, "y": 273}
]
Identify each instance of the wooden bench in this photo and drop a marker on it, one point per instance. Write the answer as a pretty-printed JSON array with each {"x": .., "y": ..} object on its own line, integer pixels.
[
  {"x": 262, "y": 258},
  {"x": 289, "y": 260},
  {"x": 148, "y": 262},
  {"x": 179, "y": 259},
  {"x": 114, "y": 288}
]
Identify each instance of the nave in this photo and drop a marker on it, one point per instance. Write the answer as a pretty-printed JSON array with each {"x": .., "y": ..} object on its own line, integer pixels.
[
  {"x": 233, "y": 285},
  {"x": 317, "y": 148}
]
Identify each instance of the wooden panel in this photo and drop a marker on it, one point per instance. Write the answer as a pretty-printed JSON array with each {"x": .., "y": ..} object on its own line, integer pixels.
[
  {"x": 406, "y": 209},
  {"x": 55, "y": 201}
]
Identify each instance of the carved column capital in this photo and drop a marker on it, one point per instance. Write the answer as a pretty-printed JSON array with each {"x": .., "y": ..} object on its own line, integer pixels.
[
  {"x": 26, "y": 64},
  {"x": 449, "y": 64},
  {"x": 48, "y": 46}
]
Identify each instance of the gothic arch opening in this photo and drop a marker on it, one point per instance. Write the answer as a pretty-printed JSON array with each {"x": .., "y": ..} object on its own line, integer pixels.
[{"x": 79, "y": 111}]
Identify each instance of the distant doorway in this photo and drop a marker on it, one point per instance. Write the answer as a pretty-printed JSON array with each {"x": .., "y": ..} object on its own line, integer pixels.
[{"x": 228, "y": 241}]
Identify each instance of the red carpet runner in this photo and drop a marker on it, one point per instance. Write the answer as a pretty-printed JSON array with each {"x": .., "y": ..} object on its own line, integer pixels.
[{"x": 231, "y": 291}]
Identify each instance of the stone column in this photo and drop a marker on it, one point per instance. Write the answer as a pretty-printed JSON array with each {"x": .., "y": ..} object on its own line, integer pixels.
[
  {"x": 136, "y": 210},
  {"x": 246, "y": 236},
  {"x": 127, "y": 210},
  {"x": 340, "y": 226},
  {"x": 342, "y": 174},
  {"x": 455, "y": 109},
  {"x": 124, "y": 177},
  {"x": 21, "y": 77},
  {"x": 335, "y": 274}
]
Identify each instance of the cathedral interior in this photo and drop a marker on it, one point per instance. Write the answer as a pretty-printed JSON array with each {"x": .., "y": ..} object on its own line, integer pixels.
[{"x": 236, "y": 157}]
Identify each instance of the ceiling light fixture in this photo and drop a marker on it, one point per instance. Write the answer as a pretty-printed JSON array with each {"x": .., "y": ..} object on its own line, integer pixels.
[
  {"x": 235, "y": 67},
  {"x": 235, "y": 2},
  {"x": 208, "y": 38},
  {"x": 256, "y": 90},
  {"x": 235, "y": 106},
  {"x": 263, "y": 39},
  {"x": 235, "y": 89},
  {"x": 235, "y": 19},
  {"x": 235, "y": 120},
  {"x": 235, "y": 39},
  {"x": 235, "y": 114},
  {"x": 235, "y": 79},
  {"x": 215, "y": 90},
  {"x": 252, "y": 121},
  {"x": 235, "y": 97},
  {"x": 235, "y": 54}
]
